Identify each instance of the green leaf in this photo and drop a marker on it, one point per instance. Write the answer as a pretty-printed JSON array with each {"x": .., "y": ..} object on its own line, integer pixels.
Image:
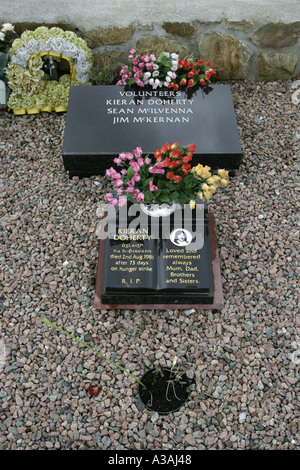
[
  {"x": 146, "y": 183},
  {"x": 160, "y": 184},
  {"x": 165, "y": 199},
  {"x": 131, "y": 81},
  {"x": 130, "y": 172},
  {"x": 148, "y": 197}
]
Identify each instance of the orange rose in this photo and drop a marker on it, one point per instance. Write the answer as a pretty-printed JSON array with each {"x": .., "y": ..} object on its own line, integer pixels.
[
  {"x": 177, "y": 178},
  {"x": 186, "y": 168},
  {"x": 175, "y": 153},
  {"x": 157, "y": 155},
  {"x": 172, "y": 164},
  {"x": 165, "y": 148},
  {"x": 170, "y": 175}
]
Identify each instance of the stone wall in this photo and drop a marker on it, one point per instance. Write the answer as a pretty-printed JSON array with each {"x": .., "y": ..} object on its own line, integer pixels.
[{"x": 261, "y": 43}]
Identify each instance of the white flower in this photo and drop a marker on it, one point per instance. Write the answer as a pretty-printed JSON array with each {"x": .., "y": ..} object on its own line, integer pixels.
[
  {"x": 7, "y": 27},
  {"x": 147, "y": 75},
  {"x": 155, "y": 73},
  {"x": 2, "y": 36},
  {"x": 171, "y": 74},
  {"x": 33, "y": 46},
  {"x": 158, "y": 82},
  {"x": 174, "y": 56},
  {"x": 168, "y": 79}
]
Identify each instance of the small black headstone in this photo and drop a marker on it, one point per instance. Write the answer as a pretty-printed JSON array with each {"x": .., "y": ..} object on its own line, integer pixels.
[
  {"x": 104, "y": 121},
  {"x": 159, "y": 262}
]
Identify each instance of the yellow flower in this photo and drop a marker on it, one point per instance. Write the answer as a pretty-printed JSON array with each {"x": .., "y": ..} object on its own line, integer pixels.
[
  {"x": 192, "y": 203},
  {"x": 214, "y": 180},
  {"x": 224, "y": 182},
  {"x": 223, "y": 173},
  {"x": 201, "y": 170},
  {"x": 207, "y": 195}
]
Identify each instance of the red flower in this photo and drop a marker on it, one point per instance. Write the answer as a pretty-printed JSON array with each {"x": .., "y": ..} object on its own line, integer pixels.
[
  {"x": 190, "y": 74},
  {"x": 175, "y": 153},
  {"x": 173, "y": 164},
  {"x": 170, "y": 175},
  {"x": 207, "y": 64},
  {"x": 183, "y": 82},
  {"x": 174, "y": 145},
  {"x": 186, "y": 168},
  {"x": 190, "y": 82},
  {"x": 188, "y": 158},
  {"x": 94, "y": 390},
  {"x": 200, "y": 62},
  {"x": 177, "y": 178},
  {"x": 167, "y": 162},
  {"x": 192, "y": 147},
  {"x": 203, "y": 82},
  {"x": 185, "y": 64},
  {"x": 165, "y": 147},
  {"x": 157, "y": 155}
]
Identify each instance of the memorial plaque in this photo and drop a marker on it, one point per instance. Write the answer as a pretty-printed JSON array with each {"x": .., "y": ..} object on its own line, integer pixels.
[
  {"x": 144, "y": 266},
  {"x": 104, "y": 121}
]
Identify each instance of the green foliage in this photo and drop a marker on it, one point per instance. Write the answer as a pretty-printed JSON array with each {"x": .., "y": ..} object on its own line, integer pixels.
[{"x": 104, "y": 71}]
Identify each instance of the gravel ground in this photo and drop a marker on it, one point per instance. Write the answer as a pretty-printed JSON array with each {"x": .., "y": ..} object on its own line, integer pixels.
[{"x": 245, "y": 358}]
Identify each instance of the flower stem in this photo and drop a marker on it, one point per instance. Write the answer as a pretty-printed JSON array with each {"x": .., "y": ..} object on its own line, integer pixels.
[{"x": 45, "y": 320}]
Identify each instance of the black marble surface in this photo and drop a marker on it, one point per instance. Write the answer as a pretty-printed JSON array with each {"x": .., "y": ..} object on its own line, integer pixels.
[
  {"x": 103, "y": 121},
  {"x": 142, "y": 266}
]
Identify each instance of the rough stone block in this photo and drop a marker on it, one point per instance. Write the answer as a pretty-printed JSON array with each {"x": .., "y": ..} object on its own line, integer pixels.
[
  {"x": 277, "y": 35},
  {"x": 272, "y": 67},
  {"x": 226, "y": 54},
  {"x": 243, "y": 25},
  {"x": 107, "y": 37},
  {"x": 180, "y": 29},
  {"x": 158, "y": 44}
]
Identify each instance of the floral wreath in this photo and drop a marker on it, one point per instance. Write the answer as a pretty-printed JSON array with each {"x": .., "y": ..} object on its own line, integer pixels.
[{"x": 31, "y": 89}]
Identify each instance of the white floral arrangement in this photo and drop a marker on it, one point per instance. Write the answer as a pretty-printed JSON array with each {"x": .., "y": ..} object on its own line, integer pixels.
[{"x": 31, "y": 88}]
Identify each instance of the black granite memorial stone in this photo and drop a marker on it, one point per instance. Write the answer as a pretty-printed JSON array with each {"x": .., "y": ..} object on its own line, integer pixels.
[
  {"x": 159, "y": 262},
  {"x": 104, "y": 121}
]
